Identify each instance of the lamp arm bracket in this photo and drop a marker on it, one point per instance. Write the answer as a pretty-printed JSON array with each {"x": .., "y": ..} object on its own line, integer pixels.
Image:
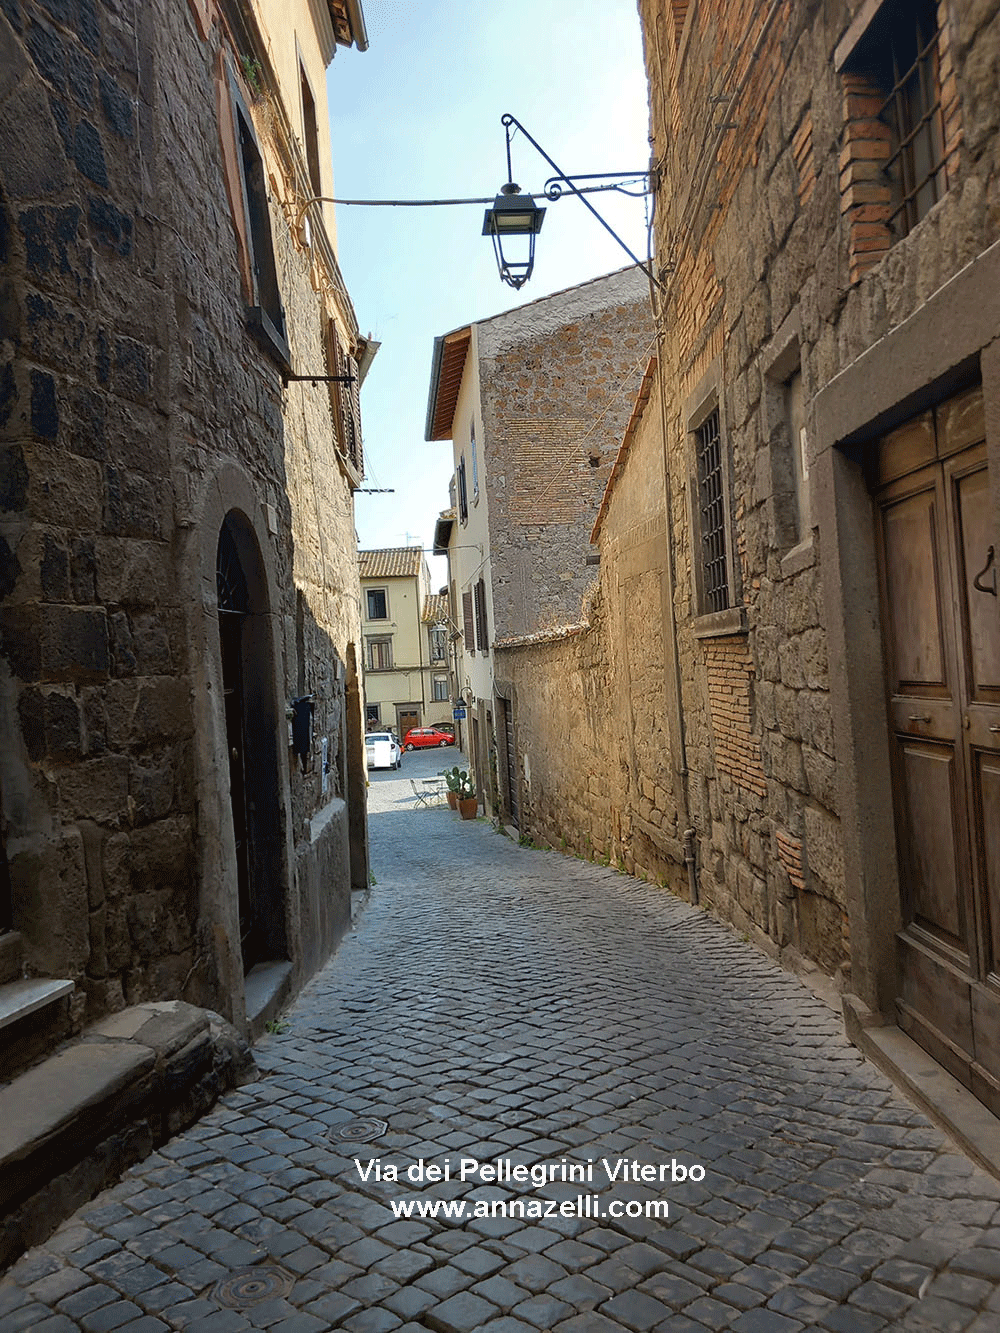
[
  {"x": 555, "y": 186},
  {"x": 507, "y": 120}
]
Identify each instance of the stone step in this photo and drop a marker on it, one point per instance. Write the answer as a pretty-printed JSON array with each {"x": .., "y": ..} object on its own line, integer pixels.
[
  {"x": 73, "y": 1123},
  {"x": 18, "y": 999}
]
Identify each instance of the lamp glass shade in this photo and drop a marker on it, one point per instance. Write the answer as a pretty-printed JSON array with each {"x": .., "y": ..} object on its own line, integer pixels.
[{"x": 513, "y": 215}]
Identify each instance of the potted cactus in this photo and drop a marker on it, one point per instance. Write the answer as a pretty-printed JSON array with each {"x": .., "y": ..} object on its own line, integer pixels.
[
  {"x": 468, "y": 805},
  {"x": 453, "y": 779}
]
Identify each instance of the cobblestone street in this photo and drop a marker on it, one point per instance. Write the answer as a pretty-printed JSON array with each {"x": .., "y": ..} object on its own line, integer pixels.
[{"x": 500, "y": 1002}]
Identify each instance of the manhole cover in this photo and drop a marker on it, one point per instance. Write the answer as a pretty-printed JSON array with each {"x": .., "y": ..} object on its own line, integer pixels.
[
  {"x": 361, "y": 1130},
  {"x": 252, "y": 1286}
]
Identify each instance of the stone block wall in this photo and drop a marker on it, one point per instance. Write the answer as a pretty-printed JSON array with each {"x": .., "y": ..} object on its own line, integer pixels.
[
  {"x": 558, "y": 379},
  {"x": 135, "y": 413}
]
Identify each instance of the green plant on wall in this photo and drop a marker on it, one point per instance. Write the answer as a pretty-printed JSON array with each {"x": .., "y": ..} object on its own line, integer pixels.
[{"x": 253, "y": 74}]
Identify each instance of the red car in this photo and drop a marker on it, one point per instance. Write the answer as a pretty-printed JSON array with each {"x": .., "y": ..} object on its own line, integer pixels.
[{"x": 417, "y": 737}]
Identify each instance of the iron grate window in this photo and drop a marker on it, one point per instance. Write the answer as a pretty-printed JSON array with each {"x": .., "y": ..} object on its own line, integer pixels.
[
  {"x": 913, "y": 113},
  {"x": 712, "y": 505},
  {"x": 899, "y": 58}
]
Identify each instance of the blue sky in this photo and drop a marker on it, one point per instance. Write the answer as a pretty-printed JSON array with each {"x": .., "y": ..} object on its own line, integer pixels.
[{"x": 418, "y": 116}]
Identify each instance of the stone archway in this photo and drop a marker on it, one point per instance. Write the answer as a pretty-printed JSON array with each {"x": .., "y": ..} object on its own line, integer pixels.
[{"x": 251, "y": 723}]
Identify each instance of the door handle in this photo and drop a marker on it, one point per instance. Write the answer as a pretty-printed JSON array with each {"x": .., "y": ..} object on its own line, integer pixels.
[
  {"x": 920, "y": 717},
  {"x": 982, "y": 587}
]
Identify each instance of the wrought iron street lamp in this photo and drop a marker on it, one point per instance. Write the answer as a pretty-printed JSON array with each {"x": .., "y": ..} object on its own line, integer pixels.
[
  {"x": 515, "y": 219},
  {"x": 514, "y": 214}
]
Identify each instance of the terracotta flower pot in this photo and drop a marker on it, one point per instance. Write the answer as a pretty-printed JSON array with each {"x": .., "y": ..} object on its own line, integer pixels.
[
  {"x": 467, "y": 809},
  {"x": 453, "y": 800}
]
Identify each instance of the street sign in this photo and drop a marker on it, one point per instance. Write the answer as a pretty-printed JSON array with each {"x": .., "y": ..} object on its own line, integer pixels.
[{"x": 458, "y": 714}]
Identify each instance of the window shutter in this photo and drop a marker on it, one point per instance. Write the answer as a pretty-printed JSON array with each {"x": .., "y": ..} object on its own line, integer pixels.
[
  {"x": 345, "y": 400},
  {"x": 482, "y": 627},
  {"x": 470, "y": 629}
]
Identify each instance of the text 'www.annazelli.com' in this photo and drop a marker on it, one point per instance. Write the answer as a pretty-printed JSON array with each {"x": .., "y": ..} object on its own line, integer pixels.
[{"x": 584, "y": 1205}]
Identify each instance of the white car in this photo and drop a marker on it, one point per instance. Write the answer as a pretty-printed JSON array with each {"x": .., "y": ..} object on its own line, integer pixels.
[{"x": 382, "y": 750}]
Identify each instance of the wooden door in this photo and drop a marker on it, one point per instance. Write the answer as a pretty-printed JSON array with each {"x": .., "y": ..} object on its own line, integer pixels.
[
  {"x": 408, "y": 719},
  {"x": 942, "y": 653},
  {"x": 510, "y": 759}
]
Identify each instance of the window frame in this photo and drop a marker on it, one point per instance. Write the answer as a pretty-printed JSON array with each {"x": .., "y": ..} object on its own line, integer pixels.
[
  {"x": 380, "y": 641},
  {"x": 265, "y": 312},
  {"x": 790, "y": 501},
  {"x": 698, "y": 409},
  {"x": 881, "y": 210},
  {"x": 376, "y": 592},
  {"x": 310, "y": 130}
]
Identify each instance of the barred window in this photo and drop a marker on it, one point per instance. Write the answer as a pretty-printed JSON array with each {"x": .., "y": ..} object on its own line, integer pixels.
[
  {"x": 906, "y": 63},
  {"x": 712, "y": 509},
  {"x": 901, "y": 123}
]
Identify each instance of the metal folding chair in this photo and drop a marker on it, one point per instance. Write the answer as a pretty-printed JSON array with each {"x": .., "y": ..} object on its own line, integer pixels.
[{"x": 423, "y": 795}]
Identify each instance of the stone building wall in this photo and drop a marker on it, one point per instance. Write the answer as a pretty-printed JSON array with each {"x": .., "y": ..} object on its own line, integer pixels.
[
  {"x": 558, "y": 379},
  {"x": 768, "y": 274},
  {"x": 135, "y": 414}
]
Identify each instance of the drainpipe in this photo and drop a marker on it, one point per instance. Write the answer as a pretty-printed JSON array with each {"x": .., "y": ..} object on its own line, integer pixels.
[{"x": 690, "y": 860}]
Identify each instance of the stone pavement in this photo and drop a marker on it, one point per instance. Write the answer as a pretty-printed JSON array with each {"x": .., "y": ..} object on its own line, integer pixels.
[{"x": 500, "y": 1002}]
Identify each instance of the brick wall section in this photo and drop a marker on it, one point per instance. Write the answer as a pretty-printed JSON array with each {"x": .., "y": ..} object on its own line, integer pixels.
[
  {"x": 865, "y": 196},
  {"x": 729, "y": 673}
]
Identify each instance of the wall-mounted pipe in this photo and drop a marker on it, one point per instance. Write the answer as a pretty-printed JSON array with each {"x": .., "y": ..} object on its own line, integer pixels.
[{"x": 691, "y": 861}]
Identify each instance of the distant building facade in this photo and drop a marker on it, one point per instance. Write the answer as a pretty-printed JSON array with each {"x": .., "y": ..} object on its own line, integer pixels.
[
  {"x": 181, "y": 756},
  {"x": 534, "y": 401},
  {"x": 407, "y": 681}
]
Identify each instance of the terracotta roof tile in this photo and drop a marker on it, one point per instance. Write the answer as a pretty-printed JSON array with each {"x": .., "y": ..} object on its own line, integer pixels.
[
  {"x": 398, "y": 562},
  {"x": 435, "y": 609}
]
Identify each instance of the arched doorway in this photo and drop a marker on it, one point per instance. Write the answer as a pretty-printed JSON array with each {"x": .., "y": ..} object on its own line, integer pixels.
[{"x": 251, "y": 722}]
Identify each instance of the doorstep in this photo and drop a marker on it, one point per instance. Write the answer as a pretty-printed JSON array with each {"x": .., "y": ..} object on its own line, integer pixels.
[
  {"x": 950, "y": 1104},
  {"x": 73, "y": 1123}
]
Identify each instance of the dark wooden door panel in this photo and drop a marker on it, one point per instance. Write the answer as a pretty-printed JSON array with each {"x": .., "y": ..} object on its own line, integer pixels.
[
  {"x": 913, "y": 594},
  {"x": 988, "y": 821},
  {"x": 930, "y": 800},
  {"x": 981, "y": 622},
  {"x": 935, "y": 1007},
  {"x": 986, "y": 1035}
]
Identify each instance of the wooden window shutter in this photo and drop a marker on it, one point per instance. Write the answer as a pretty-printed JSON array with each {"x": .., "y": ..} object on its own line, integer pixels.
[
  {"x": 469, "y": 624},
  {"x": 345, "y": 400},
  {"x": 482, "y": 626}
]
